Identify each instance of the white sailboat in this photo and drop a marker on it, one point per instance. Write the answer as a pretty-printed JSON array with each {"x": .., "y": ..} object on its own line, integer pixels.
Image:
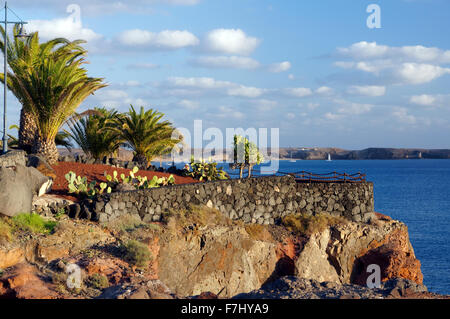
[{"x": 329, "y": 157}]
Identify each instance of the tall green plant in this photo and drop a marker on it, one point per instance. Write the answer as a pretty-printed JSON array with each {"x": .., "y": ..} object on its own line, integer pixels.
[
  {"x": 246, "y": 154},
  {"x": 94, "y": 133},
  {"x": 49, "y": 81},
  {"x": 147, "y": 134}
]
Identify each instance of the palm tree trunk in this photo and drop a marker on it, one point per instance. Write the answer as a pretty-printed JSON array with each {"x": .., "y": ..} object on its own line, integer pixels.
[
  {"x": 27, "y": 131},
  {"x": 46, "y": 149},
  {"x": 141, "y": 159}
]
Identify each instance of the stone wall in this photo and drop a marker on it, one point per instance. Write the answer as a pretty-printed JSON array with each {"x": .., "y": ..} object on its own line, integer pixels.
[
  {"x": 256, "y": 200},
  {"x": 12, "y": 158},
  {"x": 351, "y": 200}
]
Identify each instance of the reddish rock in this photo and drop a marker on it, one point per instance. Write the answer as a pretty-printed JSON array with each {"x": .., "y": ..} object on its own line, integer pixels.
[
  {"x": 394, "y": 255},
  {"x": 11, "y": 257},
  {"x": 24, "y": 283},
  {"x": 113, "y": 268}
]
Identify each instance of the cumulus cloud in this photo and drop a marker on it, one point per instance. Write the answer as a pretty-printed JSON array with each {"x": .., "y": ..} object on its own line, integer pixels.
[
  {"x": 367, "y": 90},
  {"x": 245, "y": 91},
  {"x": 415, "y": 73},
  {"x": 189, "y": 104},
  {"x": 402, "y": 65},
  {"x": 230, "y": 41},
  {"x": 280, "y": 67},
  {"x": 205, "y": 85},
  {"x": 298, "y": 92},
  {"x": 424, "y": 99},
  {"x": 231, "y": 62},
  {"x": 371, "y": 50},
  {"x": 70, "y": 27},
  {"x": 324, "y": 90},
  {"x": 333, "y": 116},
  {"x": 290, "y": 116},
  {"x": 198, "y": 83},
  {"x": 264, "y": 105},
  {"x": 351, "y": 108},
  {"x": 142, "y": 66},
  {"x": 402, "y": 115},
  {"x": 164, "y": 40},
  {"x": 227, "y": 112},
  {"x": 114, "y": 98}
]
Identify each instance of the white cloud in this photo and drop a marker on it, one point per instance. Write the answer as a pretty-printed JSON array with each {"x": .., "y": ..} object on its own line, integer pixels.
[
  {"x": 70, "y": 27},
  {"x": 230, "y": 41},
  {"x": 113, "y": 98},
  {"x": 227, "y": 112},
  {"x": 245, "y": 91},
  {"x": 332, "y": 116},
  {"x": 233, "y": 62},
  {"x": 414, "y": 73},
  {"x": 364, "y": 50},
  {"x": 290, "y": 116},
  {"x": 298, "y": 92},
  {"x": 401, "y": 114},
  {"x": 310, "y": 105},
  {"x": 371, "y": 50},
  {"x": 142, "y": 66},
  {"x": 424, "y": 99},
  {"x": 133, "y": 83},
  {"x": 264, "y": 105},
  {"x": 291, "y": 77},
  {"x": 188, "y": 104},
  {"x": 368, "y": 90},
  {"x": 280, "y": 67},
  {"x": 401, "y": 65},
  {"x": 324, "y": 90},
  {"x": 199, "y": 83},
  {"x": 351, "y": 108},
  {"x": 205, "y": 84},
  {"x": 164, "y": 40}
]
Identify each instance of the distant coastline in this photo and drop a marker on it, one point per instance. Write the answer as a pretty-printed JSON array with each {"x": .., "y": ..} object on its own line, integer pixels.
[
  {"x": 302, "y": 153},
  {"x": 365, "y": 154}
]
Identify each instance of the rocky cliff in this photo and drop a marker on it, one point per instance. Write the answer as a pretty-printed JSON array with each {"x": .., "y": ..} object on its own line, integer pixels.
[{"x": 203, "y": 252}]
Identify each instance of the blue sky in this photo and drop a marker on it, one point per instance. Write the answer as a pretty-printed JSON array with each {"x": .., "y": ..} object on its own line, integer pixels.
[{"x": 311, "y": 68}]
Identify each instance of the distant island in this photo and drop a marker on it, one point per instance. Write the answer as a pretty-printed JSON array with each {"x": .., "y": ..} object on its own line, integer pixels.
[{"x": 365, "y": 154}]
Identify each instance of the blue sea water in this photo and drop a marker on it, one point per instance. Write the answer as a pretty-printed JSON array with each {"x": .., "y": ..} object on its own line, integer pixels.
[{"x": 416, "y": 192}]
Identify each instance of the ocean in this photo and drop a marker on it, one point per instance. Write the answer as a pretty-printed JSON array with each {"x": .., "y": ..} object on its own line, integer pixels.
[{"x": 416, "y": 192}]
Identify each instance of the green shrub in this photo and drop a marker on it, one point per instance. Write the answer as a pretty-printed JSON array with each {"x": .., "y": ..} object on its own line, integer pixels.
[
  {"x": 33, "y": 223},
  {"x": 136, "y": 253},
  {"x": 97, "y": 281},
  {"x": 307, "y": 224},
  {"x": 204, "y": 171}
]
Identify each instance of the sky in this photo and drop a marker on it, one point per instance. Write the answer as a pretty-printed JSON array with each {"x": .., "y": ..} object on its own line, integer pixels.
[{"x": 313, "y": 69}]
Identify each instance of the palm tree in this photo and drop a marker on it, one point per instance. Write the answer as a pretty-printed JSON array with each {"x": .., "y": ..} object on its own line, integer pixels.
[
  {"x": 50, "y": 83},
  {"x": 28, "y": 51},
  {"x": 94, "y": 133},
  {"x": 147, "y": 135},
  {"x": 61, "y": 139}
]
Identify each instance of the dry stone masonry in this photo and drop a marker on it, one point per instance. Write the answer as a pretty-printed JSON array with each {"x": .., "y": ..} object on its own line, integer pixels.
[
  {"x": 260, "y": 200},
  {"x": 13, "y": 158}
]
